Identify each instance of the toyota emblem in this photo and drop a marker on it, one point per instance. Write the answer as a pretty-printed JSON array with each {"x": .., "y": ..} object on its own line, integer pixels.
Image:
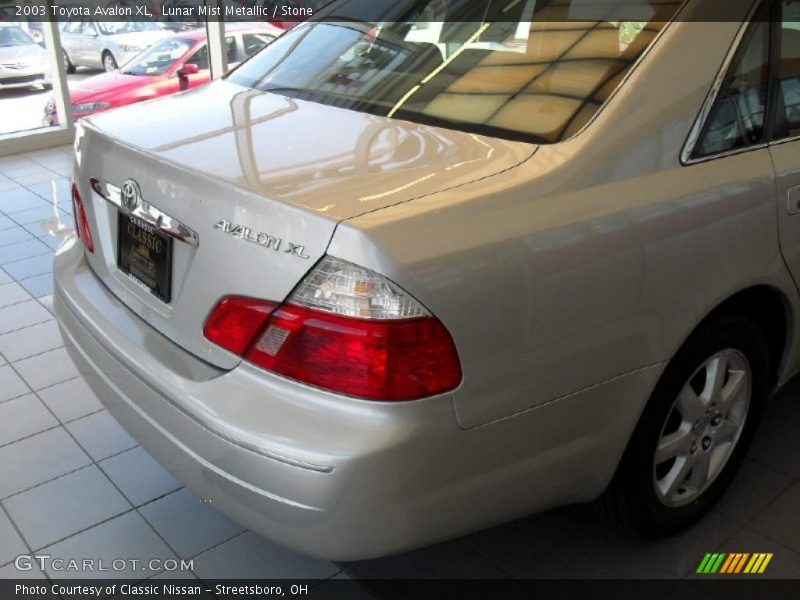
[{"x": 130, "y": 195}]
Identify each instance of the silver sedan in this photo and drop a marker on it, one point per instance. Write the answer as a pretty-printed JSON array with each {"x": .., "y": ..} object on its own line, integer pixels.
[
  {"x": 107, "y": 45},
  {"x": 390, "y": 282},
  {"x": 23, "y": 62}
]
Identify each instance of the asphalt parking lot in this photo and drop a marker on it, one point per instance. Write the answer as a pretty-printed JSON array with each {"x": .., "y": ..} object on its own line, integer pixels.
[{"x": 23, "y": 109}]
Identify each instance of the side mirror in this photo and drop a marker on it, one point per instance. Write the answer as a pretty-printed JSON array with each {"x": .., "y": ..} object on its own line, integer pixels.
[{"x": 188, "y": 69}]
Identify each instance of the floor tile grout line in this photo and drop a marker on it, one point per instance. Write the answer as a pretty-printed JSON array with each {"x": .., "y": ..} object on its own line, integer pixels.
[
  {"x": 52, "y": 479},
  {"x": 16, "y": 260},
  {"x": 17, "y": 529},
  {"x": 85, "y": 529},
  {"x": 217, "y": 545},
  {"x": 157, "y": 498},
  {"x": 771, "y": 468},
  {"x": 93, "y": 462},
  {"x": 38, "y": 353},
  {"x": 488, "y": 558},
  {"x": 29, "y": 324},
  {"x": 60, "y": 423}
]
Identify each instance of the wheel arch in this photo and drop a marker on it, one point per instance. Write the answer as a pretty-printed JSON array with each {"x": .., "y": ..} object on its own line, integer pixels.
[{"x": 769, "y": 308}]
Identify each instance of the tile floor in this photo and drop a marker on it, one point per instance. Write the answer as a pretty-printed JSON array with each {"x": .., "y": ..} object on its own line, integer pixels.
[{"x": 58, "y": 443}]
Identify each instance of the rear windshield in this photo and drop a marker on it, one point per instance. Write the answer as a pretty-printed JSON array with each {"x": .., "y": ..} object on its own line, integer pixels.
[{"x": 525, "y": 70}]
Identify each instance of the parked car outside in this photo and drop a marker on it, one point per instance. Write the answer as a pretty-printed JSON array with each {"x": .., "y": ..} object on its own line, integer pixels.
[
  {"x": 169, "y": 66},
  {"x": 106, "y": 44},
  {"x": 391, "y": 282},
  {"x": 23, "y": 63}
]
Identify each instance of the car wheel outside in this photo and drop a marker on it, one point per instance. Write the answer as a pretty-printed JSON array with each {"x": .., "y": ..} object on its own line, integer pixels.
[
  {"x": 695, "y": 431},
  {"x": 109, "y": 62},
  {"x": 68, "y": 66}
]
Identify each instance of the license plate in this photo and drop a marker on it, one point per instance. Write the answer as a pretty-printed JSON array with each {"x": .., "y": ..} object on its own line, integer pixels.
[{"x": 146, "y": 255}]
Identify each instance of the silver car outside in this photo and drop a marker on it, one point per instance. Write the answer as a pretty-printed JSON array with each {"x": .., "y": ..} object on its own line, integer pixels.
[
  {"x": 571, "y": 276},
  {"x": 23, "y": 62},
  {"x": 93, "y": 44}
]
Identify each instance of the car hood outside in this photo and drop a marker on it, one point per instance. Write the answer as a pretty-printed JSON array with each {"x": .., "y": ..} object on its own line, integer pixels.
[
  {"x": 106, "y": 87},
  {"x": 29, "y": 53},
  {"x": 332, "y": 161}
]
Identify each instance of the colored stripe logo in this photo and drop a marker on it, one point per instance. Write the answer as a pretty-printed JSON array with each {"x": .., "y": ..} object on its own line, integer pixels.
[{"x": 734, "y": 563}]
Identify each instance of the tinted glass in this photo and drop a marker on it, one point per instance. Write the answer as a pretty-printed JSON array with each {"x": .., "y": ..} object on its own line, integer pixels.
[
  {"x": 789, "y": 69},
  {"x": 253, "y": 42},
  {"x": 158, "y": 58},
  {"x": 199, "y": 58},
  {"x": 14, "y": 36},
  {"x": 114, "y": 28},
  {"x": 524, "y": 70},
  {"x": 230, "y": 49},
  {"x": 737, "y": 119},
  {"x": 88, "y": 28}
]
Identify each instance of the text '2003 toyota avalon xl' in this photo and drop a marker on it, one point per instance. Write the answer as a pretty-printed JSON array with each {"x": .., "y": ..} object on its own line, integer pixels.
[{"x": 411, "y": 272}]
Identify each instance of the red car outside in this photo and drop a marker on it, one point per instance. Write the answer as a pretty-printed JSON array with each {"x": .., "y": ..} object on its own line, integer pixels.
[{"x": 172, "y": 65}]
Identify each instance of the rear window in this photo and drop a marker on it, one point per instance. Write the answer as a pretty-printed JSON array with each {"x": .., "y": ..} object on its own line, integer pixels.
[{"x": 526, "y": 70}]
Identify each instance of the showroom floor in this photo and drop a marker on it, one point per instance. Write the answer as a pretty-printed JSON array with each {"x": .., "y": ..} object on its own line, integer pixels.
[{"x": 74, "y": 484}]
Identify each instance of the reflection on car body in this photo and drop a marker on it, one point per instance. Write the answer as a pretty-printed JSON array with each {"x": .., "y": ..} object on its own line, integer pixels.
[{"x": 174, "y": 64}]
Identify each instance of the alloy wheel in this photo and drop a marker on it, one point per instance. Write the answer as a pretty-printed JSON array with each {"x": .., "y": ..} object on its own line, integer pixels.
[
  {"x": 702, "y": 428},
  {"x": 109, "y": 63}
]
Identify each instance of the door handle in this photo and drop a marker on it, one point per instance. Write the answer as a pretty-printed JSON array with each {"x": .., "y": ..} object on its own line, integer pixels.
[{"x": 793, "y": 206}]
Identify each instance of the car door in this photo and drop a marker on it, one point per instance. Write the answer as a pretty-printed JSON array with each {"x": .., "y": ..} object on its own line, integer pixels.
[
  {"x": 70, "y": 39},
  {"x": 199, "y": 58},
  {"x": 785, "y": 149},
  {"x": 92, "y": 44}
]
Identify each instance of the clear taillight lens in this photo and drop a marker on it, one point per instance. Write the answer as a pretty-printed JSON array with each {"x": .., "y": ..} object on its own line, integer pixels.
[
  {"x": 342, "y": 288},
  {"x": 348, "y": 330},
  {"x": 81, "y": 222}
]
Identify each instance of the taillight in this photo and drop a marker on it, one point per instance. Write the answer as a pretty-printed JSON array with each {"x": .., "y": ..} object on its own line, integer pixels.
[
  {"x": 351, "y": 331},
  {"x": 236, "y": 321},
  {"x": 81, "y": 222}
]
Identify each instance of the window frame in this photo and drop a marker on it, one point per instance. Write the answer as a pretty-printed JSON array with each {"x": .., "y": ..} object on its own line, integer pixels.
[
  {"x": 775, "y": 72},
  {"x": 688, "y": 156}
]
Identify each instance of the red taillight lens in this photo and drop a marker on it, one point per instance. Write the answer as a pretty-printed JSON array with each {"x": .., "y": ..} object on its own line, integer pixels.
[
  {"x": 236, "y": 321},
  {"x": 81, "y": 222},
  {"x": 345, "y": 329},
  {"x": 371, "y": 359},
  {"x": 378, "y": 360}
]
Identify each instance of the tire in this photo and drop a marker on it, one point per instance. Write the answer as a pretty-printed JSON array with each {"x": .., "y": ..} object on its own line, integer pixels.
[
  {"x": 109, "y": 62},
  {"x": 660, "y": 496},
  {"x": 68, "y": 66}
]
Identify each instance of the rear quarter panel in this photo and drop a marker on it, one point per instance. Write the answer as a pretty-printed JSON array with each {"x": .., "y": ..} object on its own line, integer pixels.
[{"x": 597, "y": 257}]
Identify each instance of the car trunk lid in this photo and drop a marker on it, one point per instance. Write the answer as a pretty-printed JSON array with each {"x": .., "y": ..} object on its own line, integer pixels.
[{"x": 254, "y": 177}]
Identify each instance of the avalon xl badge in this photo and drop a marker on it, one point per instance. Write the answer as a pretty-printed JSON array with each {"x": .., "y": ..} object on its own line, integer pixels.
[{"x": 264, "y": 240}]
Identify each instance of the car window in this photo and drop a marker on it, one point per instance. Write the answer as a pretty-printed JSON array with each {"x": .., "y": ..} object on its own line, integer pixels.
[
  {"x": 230, "y": 45},
  {"x": 116, "y": 27},
  {"x": 525, "y": 70},
  {"x": 158, "y": 59},
  {"x": 737, "y": 118},
  {"x": 199, "y": 58},
  {"x": 253, "y": 42},
  {"x": 88, "y": 28},
  {"x": 14, "y": 36},
  {"x": 789, "y": 66},
  {"x": 72, "y": 27}
]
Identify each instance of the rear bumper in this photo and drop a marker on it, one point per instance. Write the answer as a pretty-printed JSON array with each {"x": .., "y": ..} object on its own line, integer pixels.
[
  {"x": 323, "y": 475},
  {"x": 329, "y": 476}
]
